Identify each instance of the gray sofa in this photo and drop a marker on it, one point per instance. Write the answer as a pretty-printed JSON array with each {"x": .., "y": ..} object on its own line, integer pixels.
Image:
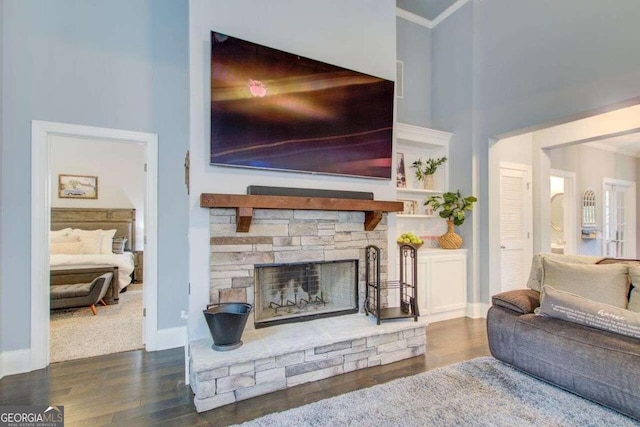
[{"x": 595, "y": 364}]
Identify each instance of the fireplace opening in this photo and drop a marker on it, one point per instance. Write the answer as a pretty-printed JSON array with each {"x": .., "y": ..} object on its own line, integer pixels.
[{"x": 286, "y": 293}]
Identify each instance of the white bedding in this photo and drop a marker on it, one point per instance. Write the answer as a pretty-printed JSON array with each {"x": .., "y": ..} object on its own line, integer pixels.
[{"x": 123, "y": 261}]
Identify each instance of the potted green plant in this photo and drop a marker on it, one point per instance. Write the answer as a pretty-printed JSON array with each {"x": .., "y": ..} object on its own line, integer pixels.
[
  {"x": 452, "y": 207},
  {"x": 426, "y": 169}
]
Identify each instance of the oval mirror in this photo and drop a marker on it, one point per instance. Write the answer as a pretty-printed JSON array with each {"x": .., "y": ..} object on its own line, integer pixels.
[{"x": 557, "y": 212}]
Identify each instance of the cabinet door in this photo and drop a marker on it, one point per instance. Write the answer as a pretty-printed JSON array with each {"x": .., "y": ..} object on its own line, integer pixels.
[{"x": 447, "y": 283}]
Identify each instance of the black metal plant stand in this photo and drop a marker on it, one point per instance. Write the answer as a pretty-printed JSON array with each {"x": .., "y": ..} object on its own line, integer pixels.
[{"x": 407, "y": 285}]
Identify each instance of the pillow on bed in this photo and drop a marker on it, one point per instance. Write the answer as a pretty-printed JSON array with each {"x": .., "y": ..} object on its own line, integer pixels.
[
  {"x": 106, "y": 235},
  {"x": 107, "y": 241},
  {"x": 59, "y": 233},
  {"x": 64, "y": 239},
  {"x": 67, "y": 248},
  {"x": 91, "y": 244}
]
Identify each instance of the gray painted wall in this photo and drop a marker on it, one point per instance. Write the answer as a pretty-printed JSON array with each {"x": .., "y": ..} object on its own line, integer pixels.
[
  {"x": 119, "y": 64},
  {"x": 2, "y": 38},
  {"x": 413, "y": 47},
  {"x": 429, "y": 9},
  {"x": 531, "y": 63},
  {"x": 451, "y": 103}
]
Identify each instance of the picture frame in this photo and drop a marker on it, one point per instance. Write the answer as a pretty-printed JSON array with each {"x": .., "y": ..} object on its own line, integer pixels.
[
  {"x": 410, "y": 206},
  {"x": 401, "y": 176},
  {"x": 77, "y": 186}
]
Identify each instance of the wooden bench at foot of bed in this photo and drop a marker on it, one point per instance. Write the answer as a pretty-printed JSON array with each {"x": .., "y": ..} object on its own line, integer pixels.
[{"x": 68, "y": 274}]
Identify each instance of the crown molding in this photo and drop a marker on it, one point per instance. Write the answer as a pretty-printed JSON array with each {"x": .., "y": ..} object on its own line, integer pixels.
[
  {"x": 416, "y": 19},
  {"x": 448, "y": 12}
]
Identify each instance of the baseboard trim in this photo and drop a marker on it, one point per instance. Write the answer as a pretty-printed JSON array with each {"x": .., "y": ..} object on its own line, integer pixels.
[
  {"x": 15, "y": 362},
  {"x": 478, "y": 310},
  {"x": 170, "y": 338}
]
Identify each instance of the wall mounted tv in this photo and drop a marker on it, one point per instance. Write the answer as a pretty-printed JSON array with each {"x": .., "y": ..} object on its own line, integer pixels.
[{"x": 276, "y": 110}]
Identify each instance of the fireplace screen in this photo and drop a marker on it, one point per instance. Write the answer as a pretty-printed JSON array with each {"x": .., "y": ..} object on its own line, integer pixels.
[{"x": 287, "y": 293}]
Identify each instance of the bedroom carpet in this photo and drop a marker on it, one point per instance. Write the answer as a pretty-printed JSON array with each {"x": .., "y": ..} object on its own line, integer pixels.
[
  {"x": 76, "y": 333},
  {"x": 480, "y": 392}
]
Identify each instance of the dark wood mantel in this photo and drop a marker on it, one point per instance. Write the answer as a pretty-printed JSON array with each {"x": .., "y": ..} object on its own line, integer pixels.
[{"x": 245, "y": 204}]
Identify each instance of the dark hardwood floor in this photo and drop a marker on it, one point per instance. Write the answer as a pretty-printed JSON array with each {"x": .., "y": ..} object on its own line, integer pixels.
[{"x": 138, "y": 389}]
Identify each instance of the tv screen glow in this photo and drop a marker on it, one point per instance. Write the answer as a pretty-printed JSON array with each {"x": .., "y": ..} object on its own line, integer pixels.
[{"x": 276, "y": 110}]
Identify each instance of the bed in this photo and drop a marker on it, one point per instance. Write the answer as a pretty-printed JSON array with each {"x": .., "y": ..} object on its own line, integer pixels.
[{"x": 91, "y": 219}]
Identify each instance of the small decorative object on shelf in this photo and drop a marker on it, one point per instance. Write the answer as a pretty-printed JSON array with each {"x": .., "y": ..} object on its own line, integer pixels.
[
  {"x": 425, "y": 170},
  {"x": 401, "y": 176},
  {"x": 452, "y": 207}
]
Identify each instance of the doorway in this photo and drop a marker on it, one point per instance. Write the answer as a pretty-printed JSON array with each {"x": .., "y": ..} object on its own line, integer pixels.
[
  {"x": 562, "y": 213},
  {"x": 619, "y": 231},
  {"x": 42, "y": 134}
]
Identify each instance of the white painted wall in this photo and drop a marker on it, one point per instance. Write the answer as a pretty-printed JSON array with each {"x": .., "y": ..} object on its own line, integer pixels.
[
  {"x": 591, "y": 166},
  {"x": 359, "y": 34},
  {"x": 118, "y": 166}
]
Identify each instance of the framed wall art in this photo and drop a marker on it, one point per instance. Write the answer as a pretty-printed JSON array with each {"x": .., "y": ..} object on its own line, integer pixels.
[{"x": 77, "y": 187}]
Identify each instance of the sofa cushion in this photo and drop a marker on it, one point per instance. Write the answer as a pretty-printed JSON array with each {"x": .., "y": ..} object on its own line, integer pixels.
[
  {"x": 535, "y": 276},
  {"x": 521, "y": 301},
  {"x": 583, "y": 311},
  {"x": 608, "y": 284}
]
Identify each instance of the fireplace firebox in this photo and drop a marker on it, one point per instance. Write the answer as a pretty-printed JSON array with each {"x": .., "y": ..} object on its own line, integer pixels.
[{"x": 286, "y": 293}]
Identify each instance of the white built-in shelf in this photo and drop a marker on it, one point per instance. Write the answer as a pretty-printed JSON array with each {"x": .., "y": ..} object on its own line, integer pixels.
[
  {"x": 418, "y": 190},
  {"x": 415, "y": 216},
  {"x": 420, "y": 137}
]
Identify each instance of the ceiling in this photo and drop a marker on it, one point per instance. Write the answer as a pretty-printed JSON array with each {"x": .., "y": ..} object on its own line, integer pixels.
[
  {"x": 625, "y": 144},
  {"x": 429, "y": 9}
]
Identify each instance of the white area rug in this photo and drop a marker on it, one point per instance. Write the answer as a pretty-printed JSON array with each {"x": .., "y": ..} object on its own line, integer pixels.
[
  {"x": 76, "y": 333},
  {"x": 480, "y": 392}
]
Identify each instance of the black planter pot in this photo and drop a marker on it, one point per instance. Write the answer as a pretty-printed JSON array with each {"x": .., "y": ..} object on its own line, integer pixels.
[{"x": 226, "y": 323}]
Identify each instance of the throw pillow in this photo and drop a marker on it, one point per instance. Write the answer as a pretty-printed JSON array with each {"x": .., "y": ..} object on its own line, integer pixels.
[
  {"x": 91, "y": 244},
  {"x": 603, "y": 283},
  {"x": 107, "y": 241},
  {"x": 535, "y": 276},
  {"x": 107, "y": 238},
  {"x": 59, "y": 233},
  {"x": 634, "y": 297},
  {"x": 66, "y": 248},
  {"x": 64, "y": 239},
  {"x": 634, "y": 300},
  {"x": 576, "y": 309}
]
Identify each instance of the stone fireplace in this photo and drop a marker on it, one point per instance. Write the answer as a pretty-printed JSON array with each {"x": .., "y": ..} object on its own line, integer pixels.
[
  {"x": 311, "y": 262},
  {"x": 287, "y": 293},
  {"x": 284, "y": 236}
]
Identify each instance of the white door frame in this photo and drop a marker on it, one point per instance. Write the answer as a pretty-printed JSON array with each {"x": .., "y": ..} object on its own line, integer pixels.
[
  {"x": 41, "y": 133},
  {"x": 570, "y": 217},
  {"x": 630, "y": 212},
  {"x": 528, "y": 220}
]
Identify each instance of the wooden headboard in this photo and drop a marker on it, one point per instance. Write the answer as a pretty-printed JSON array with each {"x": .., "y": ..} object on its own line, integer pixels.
[{"x": 123, "y": 220}]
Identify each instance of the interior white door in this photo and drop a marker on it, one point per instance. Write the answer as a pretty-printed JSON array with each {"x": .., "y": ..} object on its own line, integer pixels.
[{"x": 515, "y": 202}]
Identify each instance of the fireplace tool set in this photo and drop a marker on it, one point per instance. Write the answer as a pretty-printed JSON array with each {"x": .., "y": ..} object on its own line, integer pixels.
[{"x": 406, "y": 286}]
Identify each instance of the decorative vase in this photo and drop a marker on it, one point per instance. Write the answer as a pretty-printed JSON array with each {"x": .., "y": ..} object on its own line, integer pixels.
[
  {"x": 450, "y": 240},
  {"x": 428, "y": 182}
]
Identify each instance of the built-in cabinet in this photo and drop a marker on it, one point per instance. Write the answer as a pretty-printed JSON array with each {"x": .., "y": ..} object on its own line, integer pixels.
[
  {"x": 414, "y": 142},
  {"x": 442, "y": 283}
]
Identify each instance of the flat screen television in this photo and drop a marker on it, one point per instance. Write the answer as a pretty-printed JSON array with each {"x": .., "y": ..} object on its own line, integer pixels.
[{"x": 276, "y": 110}]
